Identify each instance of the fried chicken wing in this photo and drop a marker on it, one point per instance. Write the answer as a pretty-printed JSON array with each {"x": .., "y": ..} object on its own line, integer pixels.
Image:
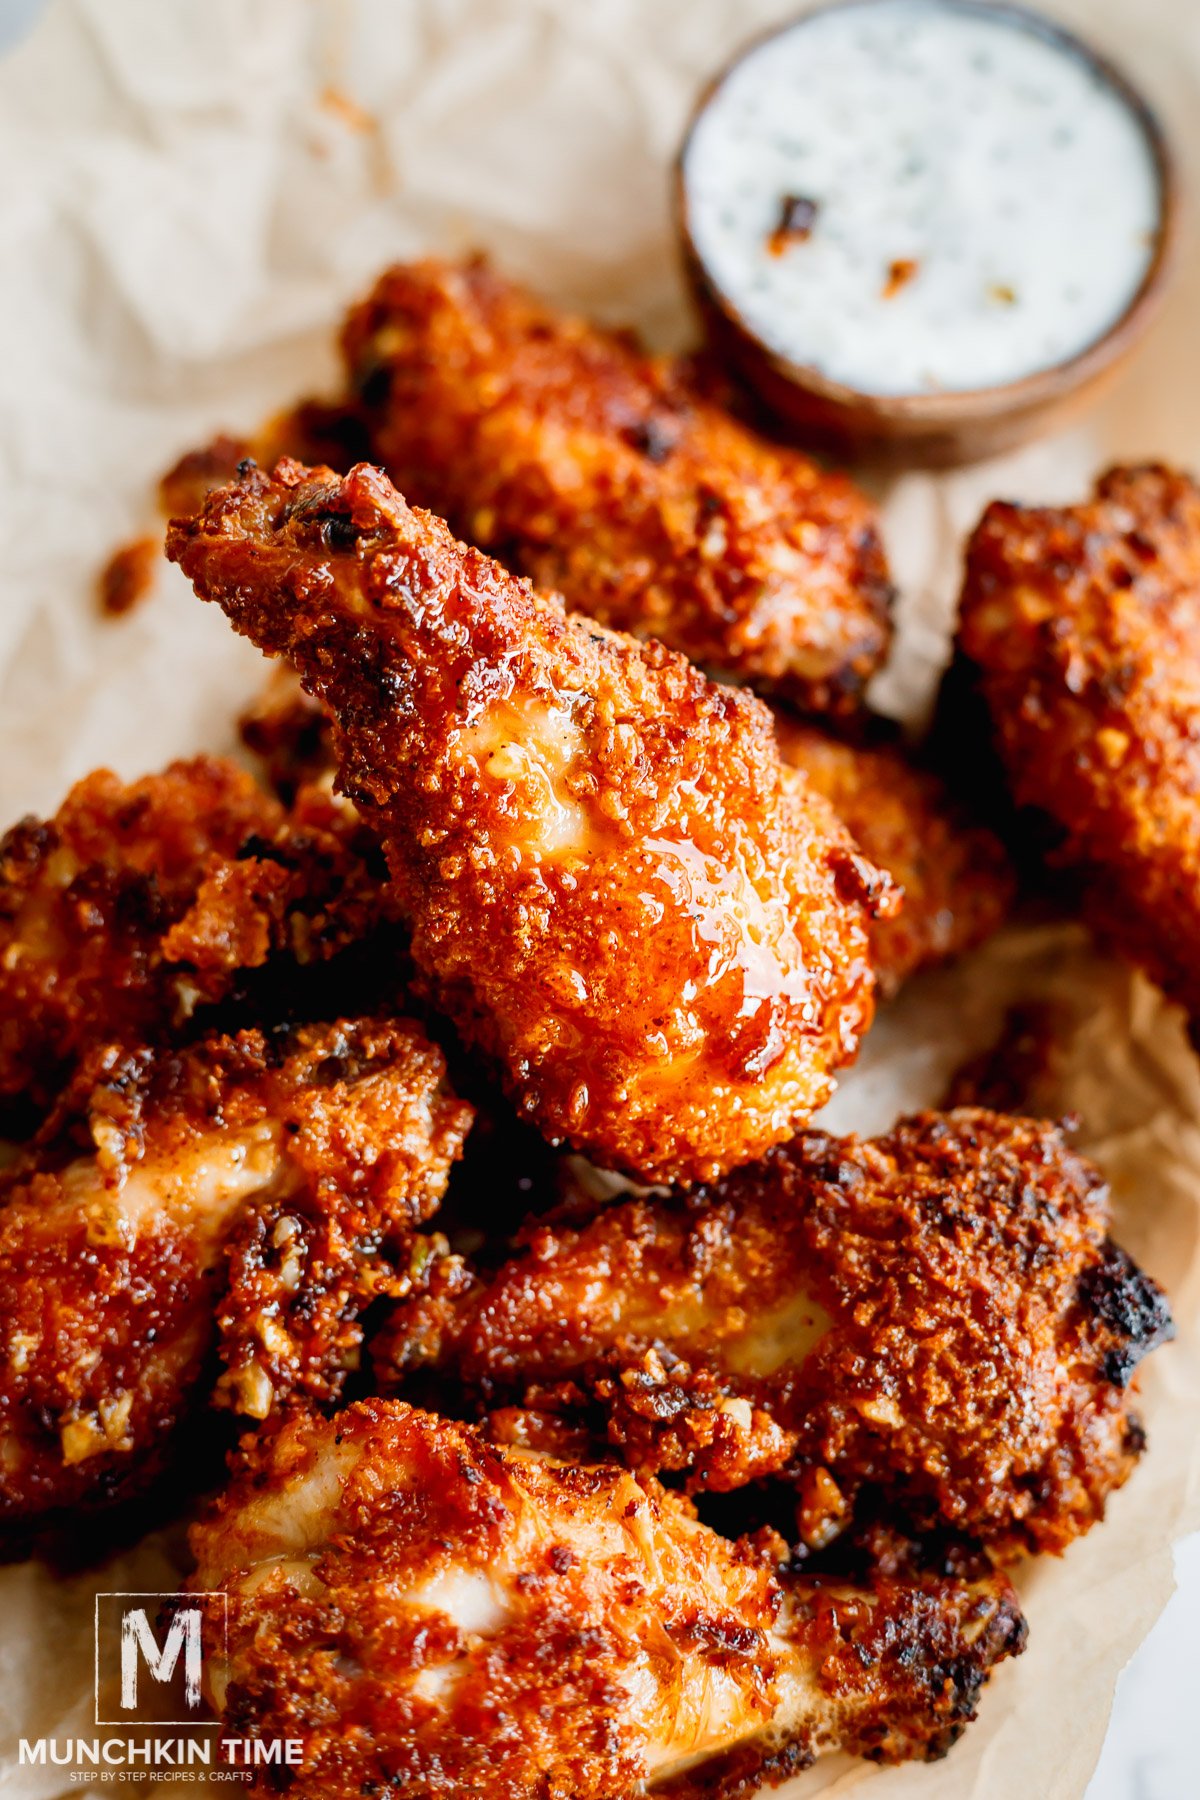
[
  {"x": 609, "y": 475},
  {"x": 937, "y": 1312},
  {"x": 1081, "y": 627},
  {"x": 260, "y": 1191},
  {"x": 139, "y": 904},
  {"x": 312, "y": 432},
  {"x": 955, "y": 876},
  {"x": 431, "y": 1615},
  {"x": 620, "y": 895}
]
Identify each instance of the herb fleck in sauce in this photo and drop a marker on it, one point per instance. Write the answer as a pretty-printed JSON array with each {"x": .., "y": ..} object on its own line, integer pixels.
[{"x": 915, "y": 195}]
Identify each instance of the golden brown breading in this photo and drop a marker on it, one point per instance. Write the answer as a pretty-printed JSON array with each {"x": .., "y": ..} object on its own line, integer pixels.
[
  {"x": 183, "y": 487},
  {"x": 312, "y": 432},
  {"x": 432, "y": 1616},
  {"x": 87, "y": 897},
  {"x": 957, "y": 881},
  {"x": 259, "y": 1189},
  {"x": 621, "y": 896},
  {"x": 140, "y": 903},
  {"x": 1081, "y": 626},
  {"x": 937, "y": 1312},
  {"x": 597, "y": 470}
]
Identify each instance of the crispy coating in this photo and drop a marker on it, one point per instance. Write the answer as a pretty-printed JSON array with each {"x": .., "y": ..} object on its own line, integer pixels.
[
  {"x": 256, "y": 1191},
  {"x": 433, "y": 1616},
  {"x": 312, "y": 432},
  {"x": 86, "y": 899},
  {"x": 1081, "y": 627},
  {"x": 655, "y": 931},
  {"x": 140, "y": 904},
  {"x": 956, "y": 878},
  {"x": 184, "y": 486},
  {"x": 607, "y": 474},
  {"x": 937, "y": 1312}
]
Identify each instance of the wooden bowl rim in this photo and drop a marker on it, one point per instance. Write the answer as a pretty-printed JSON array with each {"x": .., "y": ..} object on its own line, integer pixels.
[{"x": 965, "y": 405}]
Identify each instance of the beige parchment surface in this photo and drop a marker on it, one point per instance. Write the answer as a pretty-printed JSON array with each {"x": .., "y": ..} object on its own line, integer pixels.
[{"x": 186, "y": 203}]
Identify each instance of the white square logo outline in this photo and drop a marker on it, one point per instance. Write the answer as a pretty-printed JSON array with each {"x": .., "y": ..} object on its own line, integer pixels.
[{"x": 152, "y": 1594}]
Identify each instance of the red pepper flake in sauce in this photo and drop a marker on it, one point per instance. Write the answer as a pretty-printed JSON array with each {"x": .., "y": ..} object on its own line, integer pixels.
[
  {"x": 797, "y": 216},
  {"x": 1062, "y": 203},
  {"x": 128, "y": 576},
  {"x": 900, "y": 273}
]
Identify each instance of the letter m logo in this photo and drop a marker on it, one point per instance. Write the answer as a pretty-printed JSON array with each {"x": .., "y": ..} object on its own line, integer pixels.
[
  {"x": 138, "y": 1643},
  {"x": 150, "y": 1651}
]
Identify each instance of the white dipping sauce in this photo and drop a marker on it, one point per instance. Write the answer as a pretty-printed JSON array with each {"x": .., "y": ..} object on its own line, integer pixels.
[{"x": 986, "y": 205}]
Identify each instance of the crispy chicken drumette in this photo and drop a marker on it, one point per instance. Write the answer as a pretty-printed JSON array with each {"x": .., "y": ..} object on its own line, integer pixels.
[
  {"x": 139, "y": 904},
  {"x": 619, "y": 893},
  {"x": 431, "y": 1615},
  {"x": 1081, "y": 629},
  {"x": 256, "y": 1191},
  {"x": 938, "y": 1312},
  {"x": 607, "y": 474},
  {"x": 956, "y": 879}
]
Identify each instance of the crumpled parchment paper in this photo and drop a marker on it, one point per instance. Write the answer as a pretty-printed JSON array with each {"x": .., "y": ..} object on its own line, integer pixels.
[{"x": 190, "y": 194}]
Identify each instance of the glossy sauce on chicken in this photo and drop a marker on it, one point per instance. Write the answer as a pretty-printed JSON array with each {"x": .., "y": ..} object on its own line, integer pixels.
[
  {"x": 429, "y": 1614},
  {"x": 654, "y": 930}
]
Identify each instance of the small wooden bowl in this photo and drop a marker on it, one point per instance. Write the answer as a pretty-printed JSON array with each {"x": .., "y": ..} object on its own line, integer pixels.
[{"x": 960, "y": 426}]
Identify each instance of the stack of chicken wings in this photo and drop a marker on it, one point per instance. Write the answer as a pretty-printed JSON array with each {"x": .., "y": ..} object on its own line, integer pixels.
[{"x": 435, "y": 1114}]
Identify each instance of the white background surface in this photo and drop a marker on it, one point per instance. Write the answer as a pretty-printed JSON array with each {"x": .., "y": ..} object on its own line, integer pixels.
[{"x": 1150, "y": 1751}]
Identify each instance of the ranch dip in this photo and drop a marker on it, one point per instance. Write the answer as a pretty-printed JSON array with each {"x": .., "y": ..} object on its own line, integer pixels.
[{"x": 913, "y": 196}]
